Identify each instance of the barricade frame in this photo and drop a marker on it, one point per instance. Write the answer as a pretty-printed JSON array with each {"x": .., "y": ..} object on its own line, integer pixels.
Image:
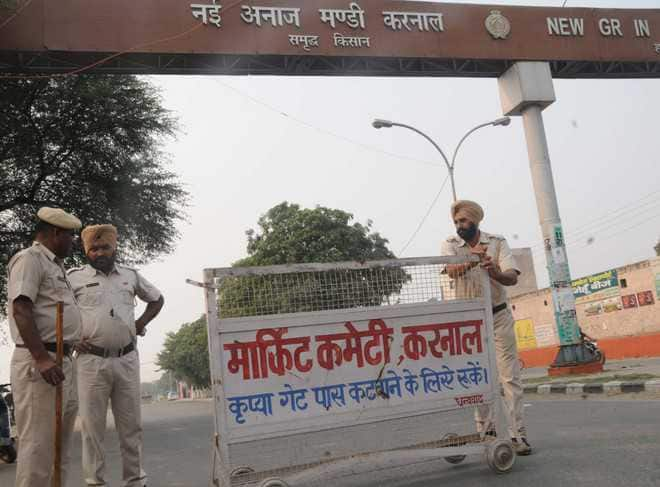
[{"x": 227, "y": 470}]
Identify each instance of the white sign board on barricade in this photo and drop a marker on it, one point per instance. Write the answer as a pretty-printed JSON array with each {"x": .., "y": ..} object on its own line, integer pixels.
[
  {"x": 319, "y": 376},
  {"x": 279, "y": 379}
]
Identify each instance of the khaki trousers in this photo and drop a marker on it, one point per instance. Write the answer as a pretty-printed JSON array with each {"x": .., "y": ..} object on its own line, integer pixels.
[
  {"x": 116, "y": 380},
  {"x": 508, "y": 367},
  {"x": 34, "y": 400}
]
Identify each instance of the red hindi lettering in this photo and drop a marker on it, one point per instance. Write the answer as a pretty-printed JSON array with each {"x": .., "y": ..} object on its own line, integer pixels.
[
  {"x": 451, "y": 343},
  {"x": 380, "y": 334},
  {"x": 353, "y": 345},
  {"x": 328, "y": 354},
  {"x": 451, "y": 338},
  {"x": 469, "y": 400},
  {"x": 256, "y": 360},
  {"x": 244, "y": 356},
  {"x": 470, "y": 339},
  {"x": 279, "y": 360},
  {"x": 414, "y": 345}
]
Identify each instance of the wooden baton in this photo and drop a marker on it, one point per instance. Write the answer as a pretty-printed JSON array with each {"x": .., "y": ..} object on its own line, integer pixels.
[{"x": 59, "y": 333}]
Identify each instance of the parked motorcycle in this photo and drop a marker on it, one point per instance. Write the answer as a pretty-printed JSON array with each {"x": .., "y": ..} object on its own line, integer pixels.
[
  {"x": 592, "y": 346},
  {"x": 7, "y": 425}
]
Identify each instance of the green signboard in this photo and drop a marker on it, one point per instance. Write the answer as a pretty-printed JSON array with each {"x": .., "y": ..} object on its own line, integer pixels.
[{"x": 596, "y": 287}]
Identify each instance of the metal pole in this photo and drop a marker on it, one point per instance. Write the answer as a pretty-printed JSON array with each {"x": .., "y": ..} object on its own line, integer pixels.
[
  {"x": 571, "y": 350},
  {"x": 526, "y": 89},
  {"x": 450, "y": 166},
  {"x": 453, "y": 185},
  {"x": 59, "y": 355},
  {"x": 460, "y": 143}
]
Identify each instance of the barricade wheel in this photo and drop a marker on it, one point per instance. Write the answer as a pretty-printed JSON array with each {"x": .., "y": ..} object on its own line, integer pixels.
[
  {"x": 274, "y": 482},
  {"x": 500, "y": 456},
  {"x": 455, "y": 459},
  {"x": 242, "y": 470}
]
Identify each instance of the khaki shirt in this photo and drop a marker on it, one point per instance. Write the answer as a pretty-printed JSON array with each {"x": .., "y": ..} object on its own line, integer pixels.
[
  {"x": 497, "y": 248},
  {"x": 38, "y": 274},
  {"x": 107, "y": 303}
]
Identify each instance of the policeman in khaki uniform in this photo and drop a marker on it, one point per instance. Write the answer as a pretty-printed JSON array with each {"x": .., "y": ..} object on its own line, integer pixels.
[
  {"x": 496, "y": 257},
  {"x": 36, "y": 282},
  {"x": 108, "y": 363}
]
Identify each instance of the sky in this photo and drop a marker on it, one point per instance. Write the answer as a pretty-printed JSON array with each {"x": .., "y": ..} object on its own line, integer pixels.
[{"x": 248, "y": 143}]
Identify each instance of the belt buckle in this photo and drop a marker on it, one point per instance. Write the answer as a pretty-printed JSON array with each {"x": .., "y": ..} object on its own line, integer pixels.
[{"x": 110, "y": 353}]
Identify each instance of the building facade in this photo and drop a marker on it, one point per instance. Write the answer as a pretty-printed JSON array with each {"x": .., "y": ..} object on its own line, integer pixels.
[{"x": 618, "y": 307}]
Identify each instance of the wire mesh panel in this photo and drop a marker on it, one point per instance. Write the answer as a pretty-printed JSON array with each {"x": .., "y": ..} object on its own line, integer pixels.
[
  {"x": 335, "y": 360},
  {"x": 319, "y": 288}
]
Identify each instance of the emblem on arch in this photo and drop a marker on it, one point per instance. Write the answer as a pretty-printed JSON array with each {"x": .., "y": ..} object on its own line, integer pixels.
[{"x": 498, "y": 25}]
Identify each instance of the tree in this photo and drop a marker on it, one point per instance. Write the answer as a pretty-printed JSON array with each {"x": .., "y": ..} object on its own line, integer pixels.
[
  {"x": 290, "y": 234},
  {"x": 90, "y": 145},
  {"x": 185, "y": 354},
  {"x": 159, "y": 387},
  {"x": 657, "y": 248}
]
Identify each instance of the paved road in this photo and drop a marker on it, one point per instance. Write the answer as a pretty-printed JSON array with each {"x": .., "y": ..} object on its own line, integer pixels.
[
  {"x": 603, "y": 443},
  {"x": 177, "y": 438}
]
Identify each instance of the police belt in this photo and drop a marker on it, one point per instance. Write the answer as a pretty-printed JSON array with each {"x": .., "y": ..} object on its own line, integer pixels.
[
  {"x": 108, "y": 352},
  {"x": 52, "y": 347},
  {"x": 499, "y": 307}
]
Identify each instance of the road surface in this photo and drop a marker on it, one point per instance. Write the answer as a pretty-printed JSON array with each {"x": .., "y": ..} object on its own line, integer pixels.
[{"x": 594, "y": 442}]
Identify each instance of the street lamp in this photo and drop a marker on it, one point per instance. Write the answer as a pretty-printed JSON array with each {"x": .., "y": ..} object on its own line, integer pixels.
[{"x": 380, "y": 123}]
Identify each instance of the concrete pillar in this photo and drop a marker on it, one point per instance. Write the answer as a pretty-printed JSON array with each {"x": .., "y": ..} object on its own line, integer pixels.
[{"x": 526, "y": 89}]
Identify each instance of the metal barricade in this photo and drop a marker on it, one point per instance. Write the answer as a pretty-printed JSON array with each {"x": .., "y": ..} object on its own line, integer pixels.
[{"x": 315, "y": 363}]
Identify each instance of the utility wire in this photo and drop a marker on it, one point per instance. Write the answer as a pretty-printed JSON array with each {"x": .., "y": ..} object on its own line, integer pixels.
[
  {"x": 428, "y": 212},
  {"x": 321, "y": 130},
  {"x": 607, "y": 219},
  {"x": 346, "y": 139},
  {"x": 574, "y": 244},
  {"x": 644, "y": 221}
]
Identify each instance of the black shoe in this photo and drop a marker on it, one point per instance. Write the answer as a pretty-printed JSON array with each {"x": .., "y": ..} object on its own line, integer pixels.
[
  {"x": 521, "y": 446},
  {"x": 8, "y": 453}
]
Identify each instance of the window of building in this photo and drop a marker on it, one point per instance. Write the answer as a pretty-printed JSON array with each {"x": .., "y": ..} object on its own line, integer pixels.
[
  {"x": 545, "y": 302},
  {"x": 623, "y": 283}
]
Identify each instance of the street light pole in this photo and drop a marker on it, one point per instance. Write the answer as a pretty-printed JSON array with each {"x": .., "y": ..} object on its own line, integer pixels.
[
  {"x": 526, "y": 89},
  {"x": 503, "y": 121}
]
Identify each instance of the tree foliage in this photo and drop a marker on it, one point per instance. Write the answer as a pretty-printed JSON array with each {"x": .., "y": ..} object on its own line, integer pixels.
[
  {"x": 90, "y": 145},
  {"x": 185, "y": 354},
  {"x": 290, "y": 234},
  {"x": 657, "y": 248}
]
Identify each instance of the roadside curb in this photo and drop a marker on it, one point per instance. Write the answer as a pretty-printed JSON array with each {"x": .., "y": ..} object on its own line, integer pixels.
[{"x": 576, "y": 388}]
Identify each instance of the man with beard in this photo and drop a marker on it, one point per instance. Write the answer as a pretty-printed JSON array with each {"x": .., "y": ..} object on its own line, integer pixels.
[
  {"x": 496, "y": 257},
  {"x": 36, "y": 283},
  {"x": 108, "y": 363}
]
